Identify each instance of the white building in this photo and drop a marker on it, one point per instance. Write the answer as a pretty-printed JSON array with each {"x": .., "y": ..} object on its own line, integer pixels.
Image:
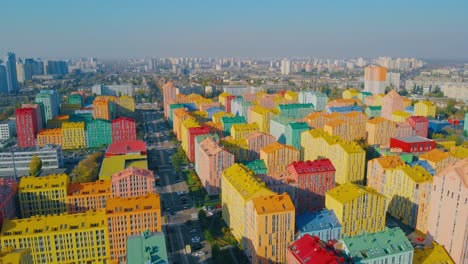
[
  {"x": 393, "y": 79},
  {"x": 285, "y": 67},
  {"x": 7, "y": 129},
  {"x": 237, "y": 90},
  {"x": 114, "y": 90},
  {"x": 16, "y": 160}
]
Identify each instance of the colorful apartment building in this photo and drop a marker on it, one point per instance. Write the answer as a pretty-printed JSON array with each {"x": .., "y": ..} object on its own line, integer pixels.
[
  {"x": 420, "y": 125},
  {"x": 379, "y": 169},
  {"x": 323, "y": 224},
  {"x": 73, "y": 135},
  {"x": 76, "y": 99},
  {"x": 293, "y": 133},
  {"x": 16, "y": 256},
  {"x": 49, "y": 136},
  {"x": 317, "y": 119},
  {"x": 318, "y": 99},
  {"x": 8, "y": 190},
  {"x": 291, "y": 96},
  {"x": 26, "y": 126},
  {"x": 448, "y": 211},
  {"x": 189, "y": 122},
  {"x": 256, "y": 141},
  {"x": 390, "y": 103},
  {"x": 212, "y": 161},
  {"x": 180, "y": 115},
  {"x": 277, "y": 157},
  {"x": 98, "y": 133},
  {"x": 350, "y": 93},
  {"x": 309, "y": 249},
  {"x": 172, "y": 107},
  {"x": 43, "y": 195},
  {"x": 312, "y": 179},
  {"x": 63, "y": 238},
  {"x": 400, "y": 116},
  {"x": 412, "y": 144},
  {"x": 198, "y": 140},
  {"x": 438, "y": 159},
  {"x": 239, "y": 185},
  {"x": 193, "y": 132},
  {"x": 103, "y": 107},
  {"x": 295, "y": 111},
  {"x": 169, "y": 94},
  {"x": 133, "y": 182},
  {"x": 229, "y": 121},
  {"x": 223, "y": 99},
  {"x": 425, "y": 108},
  {"x": 387, "y": 246},
  {"x": 238, "y": 147},
  {"x": 239, "y": 131},
  {"x": 125, "y": 105},
  {"x": 88, "y": 196},
  {"x": 131, "y": 216},
  {"x": 375, "y": 79},
  {"x": 217, "y": 118},
  {"x": 270, "y": 222},
  {"x": 205, "y": 105},
  {"x": 200, "y": 116},
  {"x": 358, "y": 208},
  {"x": 373, "y": 111},
  {"x": 123, "y": 129},
  {"x": 278, "y": 126},
  {"x": 338, "y": 128},
  {"x": 433, "y": 254},
  {"x": 261, "y": 116},
  {"x": 348, "y": 158},
  {"x": 50, "y": 101},
  {"x": 57, "y": 121},
  {"x": 39, "y": 112},
  {"x": 363, "y": 95},
  {"x": 374, "y": 100},
  {"x": 403, "y": 129},
  {"x": 147, "y": 247},
  {"x": 379, "y": 130}
]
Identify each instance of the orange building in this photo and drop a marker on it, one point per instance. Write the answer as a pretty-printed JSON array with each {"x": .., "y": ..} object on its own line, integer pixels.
[
  {"x": 375, "y": 79},
  {"x": 131, "y": 216},
  {"x": 103, "y": 107},
  {"x": 49, "y": 136},
  {"x": 179, "y": 116},
  {"x": 87, "y": 196},
  {"x": 277, "y": 157}
]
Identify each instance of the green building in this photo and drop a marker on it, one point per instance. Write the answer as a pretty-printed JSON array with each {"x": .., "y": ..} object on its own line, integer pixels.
[
  {"x": 373, "y": 111},
  {"x": 278, "y": 125},
  {"x": 75, "y": 99},
  {"x": 465, "y": 126},
  {"x": 295, "y": 111},
  {"x": 228, "y": 121},
  {"x": 51, "y": 101},
  {"x": 257, "y": 166},
  {"x": 98, "y": 133},
  {"x": 293, "y": 133},
  {"x": 147, "y": 248},
  {"x": 69, "y": 109},
  {"x": 363, "y": 95}
]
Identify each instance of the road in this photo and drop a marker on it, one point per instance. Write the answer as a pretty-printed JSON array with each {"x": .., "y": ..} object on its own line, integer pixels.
[{"x": 182, "y": 217}]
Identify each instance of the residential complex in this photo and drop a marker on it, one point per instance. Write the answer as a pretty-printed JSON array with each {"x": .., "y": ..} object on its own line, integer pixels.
[
  {"x": 147, "y": 247},
  {"x": 309, "y": 249},
  {"x": 73, "y": 135},
  {"x": 324, "y": 224}
]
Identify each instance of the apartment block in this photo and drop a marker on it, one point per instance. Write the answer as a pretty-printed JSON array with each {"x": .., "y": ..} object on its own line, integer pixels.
[
  {"x": 295, "y": 111},
  {"x": 78, "y": 238},
  {"x": 229, "y": 121},
  {"x": 69, "y": 109},
  {"x": 256, "y": 141},
  {"x": 420, "y": 125},
  {"x": 379, "y": 131},
  {"x": 363, "y": 95},
  {"x": 131, "y": 216},
  {"x": 293, "y": 133},
  {"x": 17, "y": 256},
  {"x": 278, "y": 126},
  {"x": 103, "y": 107},
  {"x": 308, "y": 248},
  {"x": 261, "y": 116},
  {"x": 270, "y": 222},
  {"x": 49, "y": 137},
  {"x": 392, "y": 102},
  {"x": 373, "y": 111},
  {"x": 26, "y": 126},
  {"x": 212, "y": 161},
  {"x": 51, "y": 103},
  {"x": 169, "y": 94},
  {"x": 88, "y": 196},
  {"x": 277, "y": 157},
  {"x": 180, "y": 115},
  {"x": 98, "y": 133},
  {"x": 350, "y": 93},
  {"x": 433, "y": 254},
  {"x": 358, "y": 208},
  {"x": 425, "y": 108},
  {"x": 76, "y": 99},
  {"x": 239, "y": 131},
  {"x": 324, "y": 224},
  {"x": 400, "y": 116},
  {"x": 448, "y": 211},
  {"x": 375, "y": 79},
  {"x": 123, "y": 129},
  {"x": 15, "y": 161},
  {"x": 7, "y": 129},
  {"x": 43, "y": 195},
  {"x": 147, "y": 246},
  {"x": 8, "y": 207},
  {"x": 238, "y": 147},
  {"x": 217, "y": 118},
  {"x": 194, "y": 132},
  {"x": 132, "y": 182},
  {"x": 438, "y": 159},
  {"x": 318, "y": 99},
  {"x": 73, "y": 135},
  {"x": 125, "y": 105}
]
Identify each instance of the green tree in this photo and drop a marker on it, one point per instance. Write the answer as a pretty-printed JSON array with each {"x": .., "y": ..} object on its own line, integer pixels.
[
  {"x": 35, "y": 165},
  {"x": 87, "y": 170}
]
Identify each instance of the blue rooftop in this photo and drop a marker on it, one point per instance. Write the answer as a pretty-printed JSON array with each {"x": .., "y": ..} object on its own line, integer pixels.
[
  {"x": 425, "y": 165},
  {"x": 344, "y": 109},
  {"x": 190, "y": 107},
  {"x": 324, "y": 219}
]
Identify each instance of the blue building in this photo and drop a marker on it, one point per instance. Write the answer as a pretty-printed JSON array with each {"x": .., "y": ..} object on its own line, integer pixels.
[
  {"x": 213, "y": 110},
  {"x": 323, "y": 224},
  {"x": 436, "y": 126},
  {"x": 190, "y": 107},
  {"x": 344, "y": 109}
]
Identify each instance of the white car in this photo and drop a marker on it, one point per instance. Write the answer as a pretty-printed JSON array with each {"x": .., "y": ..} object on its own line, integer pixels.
[
  {"x": 199, "y": 253},
  {"x": 195, "y": 239}
]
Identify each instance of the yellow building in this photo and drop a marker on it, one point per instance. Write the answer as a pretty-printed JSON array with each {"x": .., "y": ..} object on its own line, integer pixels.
[
  {"x": 431, "y": 255},
  {"x": 459, "y": 152},
  {"x": 202, "y": 101},
  {"x": 347, "y": 157},
  {"x": 425, "y": 108},
  {"x": 239, "y": 185},
  {"x": 350, "y": 93},
  {"x": 179, "y": 116},
  {"x": 73, "y": 135},
  {"x": 277, "y": 157},
  {"x": 358, "y": 208},
  {"x": 406, "y": 102},
  {"x": 103, "y": 107},
  {"x": 200, "y": 116},
  {"x": 239, "y": 131},
  {"x": 18, "y": 256},
  {"x": 379, "y": 130},
  {"x": 261, "y": 116},
  {"x": 400, "y": 116},
  {"x": 338, "y": 128},
  {"x": 270, "y": 224},
  {"x": 438, "y": 159},
  {"x": 291, "y": 96},
  {"x": 186, "y": 124},
  {"x": 49, "y": 136},
  {"x": 78, "y": 238},
  {"x": 222, "y": 98},
  {"x": 43, "y": 195},
  {"x": 217, "y": 117},
  {"x": 125, "y": 104},
  {"x": 238, "y": 147}
]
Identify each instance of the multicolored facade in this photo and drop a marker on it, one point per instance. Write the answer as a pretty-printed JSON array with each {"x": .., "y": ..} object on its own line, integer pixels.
[
  {"x": 17, "y": 256},
  {"x": 88, "y": 196},
  {"x": 319, "y": 100},
  {"x": 132, "y": 182},
  {"x": 103, "y": 107},
  {"x": 261, "y": 116},
  {"x": 229, "y": 121},
  {"x": 373, "y": 111},
  {"x": 358, "y": 208},
  {"x": 375, "y": 79},
  {"x": 239, "y": 131},
  {"x": 73, "y": 135},
  {"x": 238, "y": 147},
  {"x": 26, "y": 126},
  {"x": 379, "y": 131},
  {"x": 322, "y": 224},
  {"x": 8, "y": 190},
  {"x": 308, "y": 248},
  {"x": 98, "y": 133},
  {"x": 420, "y": 125},
  {"x": 350, "y": 93},
  {"x": 125, "y": 104},
  {"x": 169, "y": 94},
  {"x": 400, "y": 116},
  {"x": 49, "y": 136},
  {"x": 425, "y": 108},
  {"x": 438, "y": 159},
  {"x": 295, "y": 111},
  {"x": 277, "y": 157},
  {"x": 180, "y": 115},
  {"x": 256, "y": 141},
  {"x": 278, "y": 126}
]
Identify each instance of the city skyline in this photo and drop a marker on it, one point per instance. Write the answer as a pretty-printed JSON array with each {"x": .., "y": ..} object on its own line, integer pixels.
[{"x": 211, "y": 29}]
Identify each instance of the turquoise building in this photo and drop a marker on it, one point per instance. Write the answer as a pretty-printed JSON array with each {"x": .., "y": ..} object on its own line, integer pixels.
[
  {"x": 373, "y": 111},
  {"x": 76, "y": 99},
  {"x": 228, "y": 121},
  {"x": 98, "y": 133},
  {"x": 172, "y": 107},
  {"x": 296, "y": 111},
  {"x": 293, "y": 133},
  {"x": 257, "y": 166},
  {"x": 147, "y": 248},
  {"x": 278, "y": 126},
  {"x": 318, "y": 99},
  {"x": 51, "y": 101}
]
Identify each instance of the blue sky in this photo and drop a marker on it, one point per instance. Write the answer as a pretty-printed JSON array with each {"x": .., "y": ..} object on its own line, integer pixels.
[{"x": 319, "y": 28}]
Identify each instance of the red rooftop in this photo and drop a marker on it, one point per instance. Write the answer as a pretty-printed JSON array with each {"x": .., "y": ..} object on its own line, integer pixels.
[
  {"x": 308, "y": 249},
  {"x": 126, "y": 147}
]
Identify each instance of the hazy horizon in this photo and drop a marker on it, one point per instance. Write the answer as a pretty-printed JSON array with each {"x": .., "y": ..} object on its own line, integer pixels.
[{"x": 123, "y": 29}]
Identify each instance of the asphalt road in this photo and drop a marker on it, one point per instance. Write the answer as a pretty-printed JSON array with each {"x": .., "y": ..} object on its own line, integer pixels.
[{"x": 182, "y": 218}]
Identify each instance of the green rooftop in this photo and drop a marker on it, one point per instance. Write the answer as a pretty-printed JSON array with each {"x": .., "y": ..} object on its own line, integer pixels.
[
  {"x": 257, "y": 166},
  {"x": 281, "y": 120},
  {"x": 114, "y": 164},
  {"x": 294, "y": 106},
  {"x": 299, "y": 125},
  {"x": 375, "y": 108},
  {"x": 147, "y": 248}
]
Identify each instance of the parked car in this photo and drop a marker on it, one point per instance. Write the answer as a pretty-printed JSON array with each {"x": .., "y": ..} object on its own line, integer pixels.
[{"x": 192, "y": 231}]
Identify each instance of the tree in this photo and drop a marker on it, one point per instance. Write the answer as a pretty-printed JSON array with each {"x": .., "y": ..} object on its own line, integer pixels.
[
  {"x": 87, "y": 170},
  {"x": 35, "y": 165}
]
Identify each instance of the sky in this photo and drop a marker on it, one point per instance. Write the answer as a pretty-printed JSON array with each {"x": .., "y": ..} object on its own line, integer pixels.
[{"x": 239, "y": 28}]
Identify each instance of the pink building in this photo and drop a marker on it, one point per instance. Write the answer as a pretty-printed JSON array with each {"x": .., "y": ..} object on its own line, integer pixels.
[
  {"x": 123, "y": 129},
  {"x": 169, "y": 94},
  {"x": 133, "y": 182},
  {"x": 448, "y": 214},
  {"x": 213, "y": 160},
  {"x": 256, "y": 141},
  {"x": 268, "y": 101},
  {"x": 249, "y": 97},
  {"x": 8, "y": 188},
  {"x": 403, "y": 129},
  {"x": 420, "y": 125},
  {"x": 392, "y": 102},
  {"x": 312, "y": 179}
]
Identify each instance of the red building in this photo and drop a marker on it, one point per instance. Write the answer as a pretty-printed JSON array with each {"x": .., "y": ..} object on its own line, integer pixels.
[
  {"x": 312, "y": 179},
  {"x": 26, "y": 127},
  {"x": 412, "y": 144},
  {"x": 8, "y": 188},
  {"x": 228, "y": 102},
  {"x": 420, "y": 125},
  {"x": 308, "y": 249},
  {"x": 193, "y": 132},
  {"x": 123, "y": 129},
  {"x": 126, "y": 147}
]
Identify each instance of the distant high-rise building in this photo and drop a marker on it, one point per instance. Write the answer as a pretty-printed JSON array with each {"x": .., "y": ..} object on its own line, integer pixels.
[
  {"x": 20, "y": 71},
  {"x": 56, "y": 67},
  {"x": 285, "y": 67},
  {"x": 375, "y": 79},
  {"x": 51, "y": 101},
  {"x": 32, "y": 67},
  {"x": 3, "y": 79},
  {"x": 12, "y": 79}
]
